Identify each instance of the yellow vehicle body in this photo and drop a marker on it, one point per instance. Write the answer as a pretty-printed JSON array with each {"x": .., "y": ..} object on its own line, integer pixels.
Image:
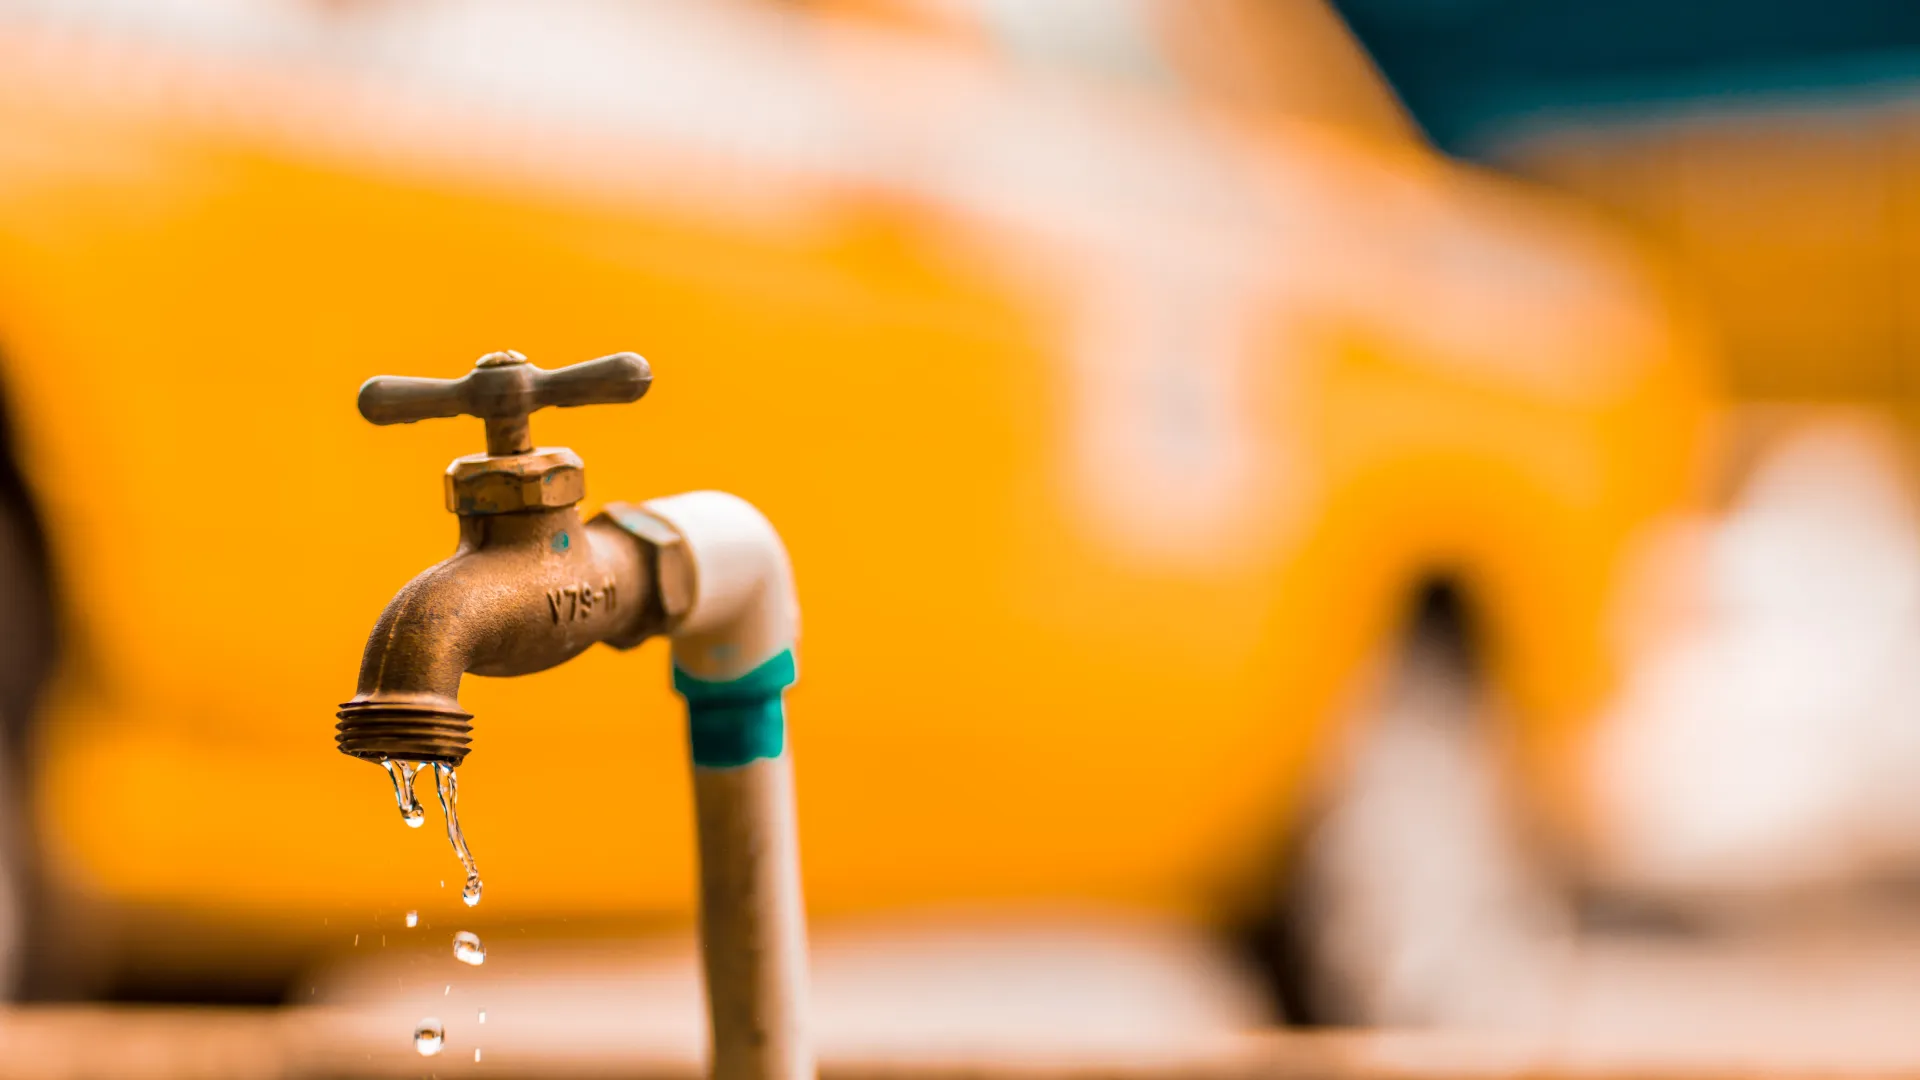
[{"x": 1110, "y": 433}]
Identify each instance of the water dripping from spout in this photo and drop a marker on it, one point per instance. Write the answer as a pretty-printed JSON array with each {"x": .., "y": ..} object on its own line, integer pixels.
[
  {"x": 403, "y": 773},
  {"x": 449, "y": 786}
]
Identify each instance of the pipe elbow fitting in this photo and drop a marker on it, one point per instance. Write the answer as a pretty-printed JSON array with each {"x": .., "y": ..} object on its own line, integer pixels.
[
  {"x": 733, "y": 648},
  {"x": 743, "y": 610}
]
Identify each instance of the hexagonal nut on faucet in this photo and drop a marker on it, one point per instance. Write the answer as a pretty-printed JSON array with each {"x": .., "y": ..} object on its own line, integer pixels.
[
  {"x": 666, "y": 558},
  {"x": 543, "y": 479}
]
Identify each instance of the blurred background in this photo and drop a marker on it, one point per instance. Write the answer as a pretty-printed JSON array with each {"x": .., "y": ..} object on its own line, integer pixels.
[{"x": 1310, "y": 517}]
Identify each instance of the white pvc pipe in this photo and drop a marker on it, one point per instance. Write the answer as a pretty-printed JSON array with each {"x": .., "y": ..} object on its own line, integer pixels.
[{"x": 744, "y": 618}]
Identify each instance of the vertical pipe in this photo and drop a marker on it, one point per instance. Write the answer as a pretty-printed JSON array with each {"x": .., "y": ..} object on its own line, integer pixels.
[
  {"x": 752, "y": 922},
  {"x": 752, "y": 933},
  {"x": 733, "y": 661}
]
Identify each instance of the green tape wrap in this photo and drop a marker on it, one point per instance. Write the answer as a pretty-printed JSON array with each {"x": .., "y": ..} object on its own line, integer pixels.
[{"x": 738, "y": 721}]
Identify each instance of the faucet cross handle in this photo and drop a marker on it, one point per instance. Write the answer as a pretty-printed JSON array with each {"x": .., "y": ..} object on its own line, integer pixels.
[{"x": 502, "y": 390}]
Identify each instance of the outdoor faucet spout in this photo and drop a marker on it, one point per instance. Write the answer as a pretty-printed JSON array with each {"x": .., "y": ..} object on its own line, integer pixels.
[{"x": 522, "y": 593}]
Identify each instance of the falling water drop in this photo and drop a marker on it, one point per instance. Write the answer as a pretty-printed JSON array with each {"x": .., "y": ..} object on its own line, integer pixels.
[
  {"x": 476, "y": 1053},
  {"x": 429, "y": 1037},
  {"x": 403, "y": 773},
  {"x": 483, "y": 1016},
  {"x": 468, "y": 950},
  {"x": 449, "y": 786},
  {"x": 413, "y": 919}
]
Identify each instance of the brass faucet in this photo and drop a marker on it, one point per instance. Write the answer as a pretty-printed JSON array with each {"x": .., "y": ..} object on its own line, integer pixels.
[{"x": 530, "y": 585}]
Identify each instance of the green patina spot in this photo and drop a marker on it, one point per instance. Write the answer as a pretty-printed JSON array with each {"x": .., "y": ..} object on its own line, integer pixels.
[
  {"x": 561, "y": 540},
  {"x": 738, "y": 721}
]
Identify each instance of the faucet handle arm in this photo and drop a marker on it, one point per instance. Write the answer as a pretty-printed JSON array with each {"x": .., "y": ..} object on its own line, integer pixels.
[
  {"x": 502, "y": 389},
  {"x": 403, "y": 399},
  {"x": 610, "y": 380}
]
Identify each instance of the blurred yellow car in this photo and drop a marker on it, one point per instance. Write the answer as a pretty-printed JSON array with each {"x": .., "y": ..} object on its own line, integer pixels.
[
  {"x": 1116, "y": 384},
  {"x": 1788, "y": 202}
]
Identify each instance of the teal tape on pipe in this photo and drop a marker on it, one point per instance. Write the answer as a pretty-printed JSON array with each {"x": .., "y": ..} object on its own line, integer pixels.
[{"x": 737, "y": 721}]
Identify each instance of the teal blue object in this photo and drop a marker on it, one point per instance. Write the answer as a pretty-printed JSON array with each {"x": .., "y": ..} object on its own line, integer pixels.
[
  {"x": 1479, "y": 75},
  {"x": 738, "y": 721},
  {"x": 561, "y": 540}
]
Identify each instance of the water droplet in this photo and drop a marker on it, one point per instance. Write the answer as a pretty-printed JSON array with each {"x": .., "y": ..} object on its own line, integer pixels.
[
  {"x": 476, "y": 1053},
  {"x": 468, "y": 950},
  {"x": 413, "y": 919},
  {"x": 448, "y": 991},
  {"x": 429, "y": 1037},
  {"x": 403, "y": 773},
  {"x": 483, "y": 1016},
  {"x": 449, "y": 786}
]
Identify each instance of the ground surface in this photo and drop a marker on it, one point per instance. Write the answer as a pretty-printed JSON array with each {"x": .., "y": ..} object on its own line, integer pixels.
[{"x": 1833, "y": 998}]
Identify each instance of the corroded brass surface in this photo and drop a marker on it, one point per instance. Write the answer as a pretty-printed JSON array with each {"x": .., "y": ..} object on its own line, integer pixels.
[
  {"x": 529, "y": 586},
  {"x": 545, "y": 479},
  {"x": 522, "y": 593}
]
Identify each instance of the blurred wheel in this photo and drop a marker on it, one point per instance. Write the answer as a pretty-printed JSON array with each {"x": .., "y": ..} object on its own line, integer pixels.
[
  {"x": 26, "y": 657},
  {"x": 1411, "y": 898}
]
